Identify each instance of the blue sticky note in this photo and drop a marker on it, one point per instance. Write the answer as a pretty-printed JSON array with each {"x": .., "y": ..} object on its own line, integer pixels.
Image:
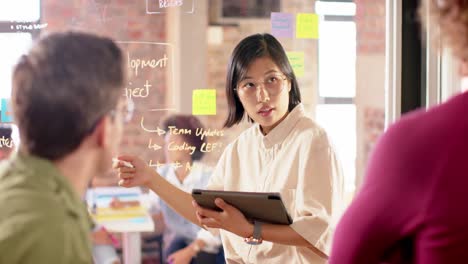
[{"x": 6, "y": 111}]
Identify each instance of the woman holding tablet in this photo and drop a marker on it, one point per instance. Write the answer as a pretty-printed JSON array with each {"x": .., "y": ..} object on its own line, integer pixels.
[{"x": 284, "y": 151}]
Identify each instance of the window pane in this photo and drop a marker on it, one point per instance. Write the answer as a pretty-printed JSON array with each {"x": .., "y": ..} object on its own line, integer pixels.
[
  {"x": 13, "y": 46},
  {"x": 336, "y": 119},
  {"x": 335, "y": 8},
  {"x": 337, "y": 59},
  {"x": 20, "y": 10}
]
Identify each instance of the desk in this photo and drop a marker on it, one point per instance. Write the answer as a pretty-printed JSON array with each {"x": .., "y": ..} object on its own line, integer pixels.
[{"x": 130, "y": 222}]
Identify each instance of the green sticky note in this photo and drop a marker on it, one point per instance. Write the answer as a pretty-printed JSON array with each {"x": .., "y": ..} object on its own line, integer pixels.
[
  {"x": 204, "y": 102},
  {"x": 296, "y": 59},
  {"x": 307, "y": 26}
]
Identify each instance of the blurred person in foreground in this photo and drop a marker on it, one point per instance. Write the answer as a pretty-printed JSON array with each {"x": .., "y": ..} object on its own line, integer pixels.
[
  {"x": 411, "y": 206},
  {"x": 66, "y": 102}
]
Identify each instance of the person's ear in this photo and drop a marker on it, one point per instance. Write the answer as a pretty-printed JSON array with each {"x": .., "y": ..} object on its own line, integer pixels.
[{"x": 101, "y": 132}]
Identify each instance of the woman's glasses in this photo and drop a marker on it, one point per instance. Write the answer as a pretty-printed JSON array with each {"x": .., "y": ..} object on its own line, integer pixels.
[{"x": 273, "y": 84}]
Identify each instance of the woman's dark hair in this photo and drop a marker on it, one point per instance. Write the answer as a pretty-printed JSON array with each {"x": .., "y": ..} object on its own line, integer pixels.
[
  {"x": 251, "y": 48},
  {"x": 191, "y": 123}
]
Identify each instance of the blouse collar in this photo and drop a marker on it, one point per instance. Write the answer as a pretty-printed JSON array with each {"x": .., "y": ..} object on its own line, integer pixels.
[{"x": 279, "y": 133}]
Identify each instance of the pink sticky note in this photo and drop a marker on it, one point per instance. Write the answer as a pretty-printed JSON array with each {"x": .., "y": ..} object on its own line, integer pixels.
[{"x": 282, "y": 25}]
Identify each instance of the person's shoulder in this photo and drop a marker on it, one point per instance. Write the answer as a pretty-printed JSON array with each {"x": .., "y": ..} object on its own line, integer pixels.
[
  {"x": 446, "y": 116},
  {"x": 425, "y": 131},
  {"x": 24, "y": 199},
  {"x": 306, "y": 130},
  {"x": 30, "y": 206},
  {"x": 247, "y": 136},
  {"x": 307, "y": 125},
  {"x": 40, "y": 232},
  {"x": 28, "y": 217},
  {"x": 438, "y": 122}
]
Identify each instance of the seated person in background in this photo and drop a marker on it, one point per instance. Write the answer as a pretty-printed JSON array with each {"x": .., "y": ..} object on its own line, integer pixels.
[
  {"x": 183, "y": 171},
  {"x": 66, "y": 103},
  {"x": 6, "y": 141}
]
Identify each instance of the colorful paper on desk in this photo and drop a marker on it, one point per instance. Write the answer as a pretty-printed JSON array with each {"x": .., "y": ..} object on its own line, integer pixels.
[
  {"x": 296, "y": 59},
  {"x": 282, "y": 25},
  {"x": 104, "y": 212},
  {"x": 204, "y": 102},
  {"x": 126, "y": 213},
  {"x": 307, "y": 26}
]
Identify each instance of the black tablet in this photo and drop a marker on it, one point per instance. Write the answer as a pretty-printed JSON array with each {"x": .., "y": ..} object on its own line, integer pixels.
[{"x": 264, "y": 207}]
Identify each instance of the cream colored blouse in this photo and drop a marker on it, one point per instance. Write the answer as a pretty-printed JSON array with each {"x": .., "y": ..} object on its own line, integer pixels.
[{"x": 297, "y": 160}]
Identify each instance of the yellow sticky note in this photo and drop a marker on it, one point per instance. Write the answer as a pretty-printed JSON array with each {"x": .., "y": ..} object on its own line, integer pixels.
[
  {"x": 204, "y": 102},
  {"x": 307, "y": 26},
  {"x": 296, "y": 59}
]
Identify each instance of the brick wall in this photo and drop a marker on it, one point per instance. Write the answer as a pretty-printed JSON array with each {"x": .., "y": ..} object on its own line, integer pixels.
[
  {"x": 370, "y": 78},
  {"x": 125, "y": 21},
  {"x": 370, "y": 24}
]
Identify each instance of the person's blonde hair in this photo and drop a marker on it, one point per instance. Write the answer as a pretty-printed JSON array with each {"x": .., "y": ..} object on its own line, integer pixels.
[{"x": 451, "y": 16}]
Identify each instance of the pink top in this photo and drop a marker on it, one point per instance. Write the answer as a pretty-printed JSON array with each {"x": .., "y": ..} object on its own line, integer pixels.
[{"x": 413, "y": 202}]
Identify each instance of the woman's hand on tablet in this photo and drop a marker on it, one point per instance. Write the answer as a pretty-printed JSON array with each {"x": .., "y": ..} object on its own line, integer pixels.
[{"x": 229, "y": 219}]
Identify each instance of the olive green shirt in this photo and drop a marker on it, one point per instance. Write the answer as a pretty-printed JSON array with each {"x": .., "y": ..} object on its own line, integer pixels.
[{"x": 42, "y": 219}]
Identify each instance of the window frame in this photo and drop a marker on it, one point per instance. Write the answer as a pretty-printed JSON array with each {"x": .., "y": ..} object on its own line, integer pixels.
[
  {"x": 342, "y": 100},
  {"x": 22, "y": 27},
  {"x": 12, "y": 26},
  {"x": 329, "y": 99}
]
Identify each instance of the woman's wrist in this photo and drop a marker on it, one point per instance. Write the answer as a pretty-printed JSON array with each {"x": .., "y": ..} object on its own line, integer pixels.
[{"x": 248, "y": 230}]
